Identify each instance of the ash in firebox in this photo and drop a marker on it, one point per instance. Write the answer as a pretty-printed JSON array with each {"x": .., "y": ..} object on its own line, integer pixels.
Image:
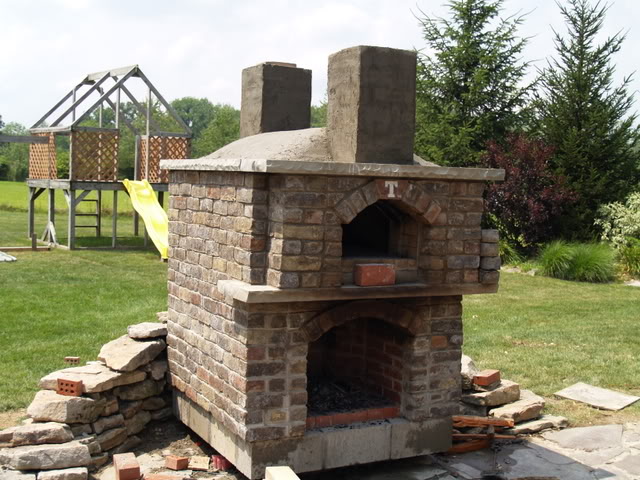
[{"x": 331, "y": 396}]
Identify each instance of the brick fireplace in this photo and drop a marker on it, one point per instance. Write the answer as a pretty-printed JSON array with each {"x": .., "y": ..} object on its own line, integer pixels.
[{"x": 277, "y": 354}]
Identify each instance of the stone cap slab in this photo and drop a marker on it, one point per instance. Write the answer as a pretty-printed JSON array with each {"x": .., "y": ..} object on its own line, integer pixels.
[
  {"x": 304, "y": 152},
  {"x": 291, "y": 167},
  {"x": 247, "y": 293}
]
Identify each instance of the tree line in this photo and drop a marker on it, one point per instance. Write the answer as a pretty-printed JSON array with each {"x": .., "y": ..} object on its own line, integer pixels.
[
  {"x": 213, "y": 126},
  {"x": 568, "y": 140}
]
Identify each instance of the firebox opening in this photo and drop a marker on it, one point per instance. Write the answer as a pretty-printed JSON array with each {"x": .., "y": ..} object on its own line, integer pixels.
[{"x": 356, "y": 368}]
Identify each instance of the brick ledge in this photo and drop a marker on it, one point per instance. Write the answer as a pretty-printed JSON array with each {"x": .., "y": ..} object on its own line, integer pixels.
[{"x": 247, "y": 293}]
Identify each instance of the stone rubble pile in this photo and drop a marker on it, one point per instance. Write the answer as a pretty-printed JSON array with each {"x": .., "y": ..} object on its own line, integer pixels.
[
  {"x": 504, "y": 399},
  {"x": 65, "y": 437}
]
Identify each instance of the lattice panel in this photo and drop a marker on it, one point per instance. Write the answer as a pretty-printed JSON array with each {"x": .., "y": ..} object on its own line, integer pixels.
[
  {"x": 94, "y": 156},
  {"x": 161, "y": 148},
  {"x": 42, "y": 158}
]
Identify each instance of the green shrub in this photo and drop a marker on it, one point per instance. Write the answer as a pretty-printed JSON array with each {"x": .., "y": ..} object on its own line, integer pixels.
[
  {"x": 620, "y": 222},
  {"x": 508, "y": 252},
  {"x": 583, "y": 262},
  {"x": 629, "y": 257},
  {"x": 555, "y": 259}
]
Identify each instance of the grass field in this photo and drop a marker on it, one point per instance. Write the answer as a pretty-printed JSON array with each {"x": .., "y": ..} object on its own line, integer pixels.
[{"x": 543, "y": 333}]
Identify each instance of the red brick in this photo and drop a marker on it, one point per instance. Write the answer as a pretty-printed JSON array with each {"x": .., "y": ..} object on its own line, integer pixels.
[
  {"x": 70, "y": 388},
  {"x": 342, "y": 418},
  {"x": 359, "y": 416},
  {"x": 311, "y": 423},
  {"x": 220, "y": 462},
  {"x": 391, "y": 412},
  {"x": 487, "y": 377},
  {"x": 439, "y": 342},
  {"x": 126, "y": 466},
  {"x": 174, "y": 462},
  {"x": 366, "y": 275},
  {"x": 375, "y": 414},
  {"x": 72, "y": 360},
  {"x": 324, "y": 421}
]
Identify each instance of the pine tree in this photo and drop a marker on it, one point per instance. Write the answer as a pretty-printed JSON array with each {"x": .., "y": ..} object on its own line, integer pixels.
[
  {"x": 587, "y": 118},
  {"x": 469, "y": 90}
]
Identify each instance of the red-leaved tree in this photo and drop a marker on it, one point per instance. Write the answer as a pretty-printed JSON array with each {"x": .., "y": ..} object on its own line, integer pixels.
[{"x": 525, "y": 205}]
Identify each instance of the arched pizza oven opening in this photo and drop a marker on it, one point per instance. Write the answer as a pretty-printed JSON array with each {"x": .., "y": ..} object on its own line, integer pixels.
[
  {"x": 381, "y": 234},
  {"x": 355, "y": 372}
]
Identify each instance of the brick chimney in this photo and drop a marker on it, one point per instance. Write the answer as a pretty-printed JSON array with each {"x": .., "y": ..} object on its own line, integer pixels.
[
  {"x": 372, "y": 105},
  {"x": 275, "y": 96}
]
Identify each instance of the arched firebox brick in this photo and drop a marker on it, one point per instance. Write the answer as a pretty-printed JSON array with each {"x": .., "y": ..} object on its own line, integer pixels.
[
  {"x": 406, "y": 194},
  {"x": 389, "y": 312}
]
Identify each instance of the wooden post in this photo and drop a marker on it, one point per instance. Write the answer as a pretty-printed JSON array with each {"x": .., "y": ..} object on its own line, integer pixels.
[
  {"x": 31, "y": 212},
  {"x": 114, "y": 220},
  {"x": 34, "y": 193},
  {"x": 71, "y": 230},
  {"x": 34, "y": 242}
]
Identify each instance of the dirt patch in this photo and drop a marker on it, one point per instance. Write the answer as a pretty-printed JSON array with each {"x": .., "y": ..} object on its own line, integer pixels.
[{"x": 11, "y": 417}]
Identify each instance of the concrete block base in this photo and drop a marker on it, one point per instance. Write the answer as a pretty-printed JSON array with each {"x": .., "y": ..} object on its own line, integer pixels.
[{"x": 319, "y": 449}]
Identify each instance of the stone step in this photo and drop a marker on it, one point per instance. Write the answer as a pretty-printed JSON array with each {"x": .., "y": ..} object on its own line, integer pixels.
[
  {"x": 39, "y": 433},
  {"x": 95, "y": 378},
  {"x": 48, "y": 406},
  {"x": 545, "y": 422},
  {"x": 506, "y": 392},
  {"x": 46, "y": 457},
  {"x": 528, "y": 407},
  {"x": 147, "y": 330},
  {"x": 126, "y": 354}
]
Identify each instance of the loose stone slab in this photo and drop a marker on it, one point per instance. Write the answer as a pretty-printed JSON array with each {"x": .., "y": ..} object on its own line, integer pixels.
[
  {"x": 528, "y": 407},
  {"x": 95, "y": 378},
  {"x": 16, "y": 475},
  {"x": 588, "y": 438},
  {"x": 597, "y": 397},
  {"x": 545, "y": 422},
  {"x": 48, "y": 406},
  {"x": 506, "y": 392},
  {"x": 39, "y": 433},
  {"x": 147, "y": 330},
  {"x": 46, "y": 457},
  {"x": 140, "y": 391},
  {"x": 126, "y": 354},
  {"x": 112, "y": 438},
  {"x": 107, "y": 423},
  {"x": 78, "y": 473}
]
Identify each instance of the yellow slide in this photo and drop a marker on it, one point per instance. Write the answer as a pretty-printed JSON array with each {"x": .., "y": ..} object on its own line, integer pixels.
[{"x": 155, "y": 218}]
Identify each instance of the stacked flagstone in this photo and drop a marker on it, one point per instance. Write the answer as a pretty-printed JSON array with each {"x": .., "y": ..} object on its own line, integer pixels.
[
  {"x": 66, "y": 436},
  {"x": 504, "y": 399}
]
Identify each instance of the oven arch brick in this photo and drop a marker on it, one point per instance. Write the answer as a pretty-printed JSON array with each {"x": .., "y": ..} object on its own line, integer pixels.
[
  {"x": 389, "y": 312},
  {"x": 409, "y": 195}
]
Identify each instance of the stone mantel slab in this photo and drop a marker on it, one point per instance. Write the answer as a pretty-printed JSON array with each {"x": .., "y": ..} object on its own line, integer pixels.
[
  {"x": 294, "y": 167},
  {"x": 244, "y": 292}
]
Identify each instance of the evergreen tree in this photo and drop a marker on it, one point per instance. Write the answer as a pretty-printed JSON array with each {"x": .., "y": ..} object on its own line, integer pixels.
[
  {"x": 587, "y": 118},
  {"x": 469, "y": 89}
]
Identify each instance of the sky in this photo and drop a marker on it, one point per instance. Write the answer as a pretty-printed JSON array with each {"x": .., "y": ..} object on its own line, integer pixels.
[{"x": 198, "y": 48}]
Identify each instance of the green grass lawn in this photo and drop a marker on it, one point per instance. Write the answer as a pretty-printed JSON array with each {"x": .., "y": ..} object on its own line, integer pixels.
[
  {"x": 543, "y": 333},
  {"x": 547, "y": 334},
  {"x": 59, "y": 303}
]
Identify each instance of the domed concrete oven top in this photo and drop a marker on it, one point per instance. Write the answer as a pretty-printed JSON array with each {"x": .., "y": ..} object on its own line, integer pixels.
[{"x": 274, "y": 343}]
